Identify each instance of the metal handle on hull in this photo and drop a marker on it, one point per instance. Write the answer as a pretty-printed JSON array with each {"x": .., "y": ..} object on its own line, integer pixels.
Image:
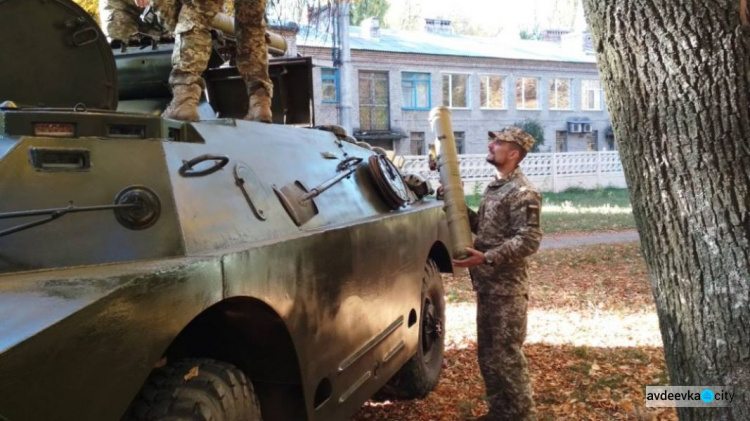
[{"x": 186, "y": 170}]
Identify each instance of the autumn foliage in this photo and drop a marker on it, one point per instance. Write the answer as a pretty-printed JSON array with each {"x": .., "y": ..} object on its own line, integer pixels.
[
  {"x": 593, "y": 343},
  {"x": 91, "y": 6}
]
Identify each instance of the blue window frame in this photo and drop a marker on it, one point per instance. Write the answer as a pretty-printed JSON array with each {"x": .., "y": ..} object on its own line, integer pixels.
[
  {"x": 330, "y": 79},
  {"x": 416, "y": 90}
]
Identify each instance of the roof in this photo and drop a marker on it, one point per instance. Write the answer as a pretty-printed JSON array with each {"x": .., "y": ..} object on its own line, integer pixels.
[{"x": 396, "y": 41}]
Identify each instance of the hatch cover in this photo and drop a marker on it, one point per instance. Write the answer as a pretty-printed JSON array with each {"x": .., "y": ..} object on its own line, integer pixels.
[{"x": 54, "y": 55}]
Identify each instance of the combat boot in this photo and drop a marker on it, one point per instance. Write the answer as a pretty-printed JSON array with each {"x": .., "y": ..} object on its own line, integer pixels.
[
  {"x": 260, "y": 106},
  {"x": 184, "y": 105}
]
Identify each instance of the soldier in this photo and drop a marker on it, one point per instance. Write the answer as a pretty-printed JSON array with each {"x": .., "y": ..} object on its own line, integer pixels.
[
  {"x": 119, "y": 17},
  {"x": 252, "y": 57},
  {"x": 190, "y": 20},
  {"x": 507, "y": 228}
]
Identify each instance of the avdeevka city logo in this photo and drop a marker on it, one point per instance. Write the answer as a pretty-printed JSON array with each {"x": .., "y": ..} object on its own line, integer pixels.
[
  {"x": 689, "y": 396},
  {"x": 707, "y": 395}
]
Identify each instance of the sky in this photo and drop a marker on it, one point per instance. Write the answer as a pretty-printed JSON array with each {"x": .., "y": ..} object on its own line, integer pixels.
[
  {"x": 487, "y": 15},
  {"x": 500, "y": 14}
]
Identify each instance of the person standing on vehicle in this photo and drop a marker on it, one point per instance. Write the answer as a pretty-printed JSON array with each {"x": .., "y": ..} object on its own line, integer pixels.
[
  {"x": 190, "y": 20},
  {"x": 252, "y": 57},
  {"x": 507, "y": 231}
]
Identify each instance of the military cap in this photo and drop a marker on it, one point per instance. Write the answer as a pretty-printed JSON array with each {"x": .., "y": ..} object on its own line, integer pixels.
[{"x": 515, "y": 135}]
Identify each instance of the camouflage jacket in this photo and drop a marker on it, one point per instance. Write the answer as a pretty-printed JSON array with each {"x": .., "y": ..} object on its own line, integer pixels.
[{"x": 507, "y": 228}]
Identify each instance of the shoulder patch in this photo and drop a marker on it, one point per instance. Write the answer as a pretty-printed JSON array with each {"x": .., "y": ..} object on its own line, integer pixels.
[{"x": 532, "y": 214}]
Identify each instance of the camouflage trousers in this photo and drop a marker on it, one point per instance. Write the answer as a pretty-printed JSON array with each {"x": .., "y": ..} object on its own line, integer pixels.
[
  {"x": 252, "y": 52},
  {"x": 190, "y": 20},
  {"x": 501, "y": 330},
  {"x": 118, "y": 18}
]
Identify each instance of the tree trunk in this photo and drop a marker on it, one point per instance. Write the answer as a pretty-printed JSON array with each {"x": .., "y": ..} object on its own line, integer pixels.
[{"x": 677, "y": 78}]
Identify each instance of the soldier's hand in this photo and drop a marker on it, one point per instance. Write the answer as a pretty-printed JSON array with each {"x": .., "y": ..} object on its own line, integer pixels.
[
  {"x": 440, "y": 192},
  {"x": 141, "y": 3},
  {"x": 476, "y": 259},
  {"x": 432, "y": 163}
]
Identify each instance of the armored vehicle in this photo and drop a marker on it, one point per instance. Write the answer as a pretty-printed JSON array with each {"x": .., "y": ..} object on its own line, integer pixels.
[{"x": 223, "y": 270}]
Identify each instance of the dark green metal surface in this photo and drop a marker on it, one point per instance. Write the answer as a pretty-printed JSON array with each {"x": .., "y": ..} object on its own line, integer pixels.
[
  {"x": 84, "y": 338},
  {"x": 54, "y": 55},
  {"x": 319, "y": 312}
]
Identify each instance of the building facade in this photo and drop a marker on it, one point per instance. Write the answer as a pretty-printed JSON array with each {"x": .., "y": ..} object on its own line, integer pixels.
[{"x": 396, "y": 77}]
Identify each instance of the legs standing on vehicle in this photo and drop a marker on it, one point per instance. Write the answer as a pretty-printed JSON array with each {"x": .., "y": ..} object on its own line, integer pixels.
[
  {"x": 190, "y": 20},
  {"x": 252, "y": 57}
]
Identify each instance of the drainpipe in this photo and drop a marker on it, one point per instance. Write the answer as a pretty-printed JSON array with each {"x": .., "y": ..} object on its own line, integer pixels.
[{"x": 345, "y": 71}]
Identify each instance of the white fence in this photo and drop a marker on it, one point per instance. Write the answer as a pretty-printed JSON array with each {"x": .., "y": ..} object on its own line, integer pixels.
[{"x": 553, "y": 172}]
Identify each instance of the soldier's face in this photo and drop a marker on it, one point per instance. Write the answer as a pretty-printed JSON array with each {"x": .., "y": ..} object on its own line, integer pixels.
[{"x": 499, "y": 153}]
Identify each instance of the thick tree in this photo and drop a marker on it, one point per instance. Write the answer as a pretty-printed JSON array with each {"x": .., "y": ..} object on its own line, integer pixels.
[{"x": 677, "y": 78}]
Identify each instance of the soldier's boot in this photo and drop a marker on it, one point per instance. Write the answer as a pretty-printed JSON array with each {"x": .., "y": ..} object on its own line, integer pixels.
[
  {"x": 184, "y": 105},
  {"x": 260, "y": 106}
]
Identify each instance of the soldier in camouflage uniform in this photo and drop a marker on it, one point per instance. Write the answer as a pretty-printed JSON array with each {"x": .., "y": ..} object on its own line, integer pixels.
[
  {"x": 252, "y": 57},
  {"x": 118, "y": 17},
  {"x": 190, "y": 20},
  {"x": 507, "y": 228}
]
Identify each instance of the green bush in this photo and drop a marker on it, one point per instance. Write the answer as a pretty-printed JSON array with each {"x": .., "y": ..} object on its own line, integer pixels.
[{"x": 535, "y": 129}]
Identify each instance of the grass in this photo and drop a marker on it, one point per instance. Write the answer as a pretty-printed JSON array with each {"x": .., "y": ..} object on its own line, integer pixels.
[{"x": 579, "y": 210}]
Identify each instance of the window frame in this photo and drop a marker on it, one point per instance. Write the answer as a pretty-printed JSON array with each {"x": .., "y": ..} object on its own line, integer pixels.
[
  {"x": 460, "y": 144},
  {"x": 416, "y": 81},
  {"x": 373, "y": 76},
  {"x": 503, "y": 84},
  {"x": 414, "y": 137},
  {"x": 450, "y": 89},
  {"x": 570, "y": 94},
  {"x": 598, "y": 94},
  {"x": 335, "y": 79},
  {"x": 538, "y": 99}
]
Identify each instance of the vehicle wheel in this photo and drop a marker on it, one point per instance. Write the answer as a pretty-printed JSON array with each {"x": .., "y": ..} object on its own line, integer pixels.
[
  {"x": 196, "y": 389},
  {"x": 421, "y": 373}
]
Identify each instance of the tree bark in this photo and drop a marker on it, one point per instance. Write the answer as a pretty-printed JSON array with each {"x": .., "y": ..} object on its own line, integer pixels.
[{"x": 676, "y": 74}]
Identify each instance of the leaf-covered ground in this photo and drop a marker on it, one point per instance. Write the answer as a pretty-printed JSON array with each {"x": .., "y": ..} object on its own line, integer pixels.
[{"x": 593, "y": 343}]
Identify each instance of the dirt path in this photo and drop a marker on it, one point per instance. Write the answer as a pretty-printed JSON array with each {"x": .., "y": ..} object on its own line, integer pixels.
[{"x": 557, "y": 241}]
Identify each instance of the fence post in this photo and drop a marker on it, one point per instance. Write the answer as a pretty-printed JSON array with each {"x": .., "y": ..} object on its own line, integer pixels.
[
  {"x": 554, "y": 172},
  {"x": 599, "y": 169}
]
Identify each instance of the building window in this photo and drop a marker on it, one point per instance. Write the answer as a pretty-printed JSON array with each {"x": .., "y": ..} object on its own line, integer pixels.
[
  {"x": 416, "y": 90},
  {"x": 559, "y": 94},
  {"x": 460, "y": 141},
  {"x": 592, "y": 141},
  {"x": 527, "y": 96},
  {"x": 455, "y": 90},
  {"x": 373, "y": 101},
  {"x": 417, "y": 143},
  {"x": 330, "y": 80},
  {"x": 492, "y": 92},
  {"x": 591, "y": 94},
  {"x": 561, "y": 141}
]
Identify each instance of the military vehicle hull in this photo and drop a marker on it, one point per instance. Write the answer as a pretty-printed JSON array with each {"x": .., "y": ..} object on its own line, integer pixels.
[
  {"x": 90, "y": 307},
  {"x": 132, "y": 246}
]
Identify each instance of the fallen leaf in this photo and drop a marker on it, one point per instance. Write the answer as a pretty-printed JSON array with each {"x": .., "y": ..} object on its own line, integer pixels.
[{"x": 191, "y": 374}]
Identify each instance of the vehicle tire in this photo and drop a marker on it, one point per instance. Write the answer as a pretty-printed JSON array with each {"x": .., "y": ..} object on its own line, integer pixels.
[
  {"x": 196, "y": 390},
  {"x": 421, "y": 373}
]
